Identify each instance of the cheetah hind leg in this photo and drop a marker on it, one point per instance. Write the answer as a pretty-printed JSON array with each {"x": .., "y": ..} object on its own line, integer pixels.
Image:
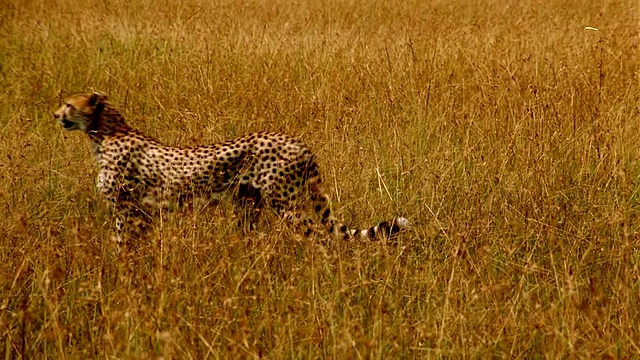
[
  {"x": 248, "y": 200},
  {"x": 301, "y": 222}
]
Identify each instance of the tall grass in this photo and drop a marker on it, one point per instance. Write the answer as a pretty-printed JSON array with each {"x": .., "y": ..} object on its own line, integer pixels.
[{"x": 504, "y": 130}]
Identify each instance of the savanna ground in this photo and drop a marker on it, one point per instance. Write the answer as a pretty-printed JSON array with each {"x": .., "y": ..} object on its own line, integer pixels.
[{"x": 504, "y": 130}]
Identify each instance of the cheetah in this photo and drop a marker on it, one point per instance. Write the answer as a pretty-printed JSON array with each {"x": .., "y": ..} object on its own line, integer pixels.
[{"x": 138, "y": 174}]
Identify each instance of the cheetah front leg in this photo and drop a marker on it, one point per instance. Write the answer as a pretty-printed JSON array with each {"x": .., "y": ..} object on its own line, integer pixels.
[
  {"x": 106, "y": 184},
  {"x": 131, "y": 221}
]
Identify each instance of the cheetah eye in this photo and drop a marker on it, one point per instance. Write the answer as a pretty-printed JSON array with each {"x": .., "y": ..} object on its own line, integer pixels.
[{"x": 68, "y": 105}]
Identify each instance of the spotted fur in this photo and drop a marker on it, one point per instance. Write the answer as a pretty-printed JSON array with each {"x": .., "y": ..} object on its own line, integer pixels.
[{"x": 138, "y": 174}]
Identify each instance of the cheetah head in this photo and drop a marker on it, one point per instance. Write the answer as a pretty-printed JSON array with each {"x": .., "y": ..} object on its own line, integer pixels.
[{"x": 81, "y": 111}]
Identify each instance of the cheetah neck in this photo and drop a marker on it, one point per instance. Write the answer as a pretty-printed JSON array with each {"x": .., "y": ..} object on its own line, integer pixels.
[{"x": 109, "y": 123}]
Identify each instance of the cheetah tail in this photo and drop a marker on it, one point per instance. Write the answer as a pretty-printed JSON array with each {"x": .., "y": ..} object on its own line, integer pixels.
[
  {"x": 383, "y": 230},
  {"x": 321, "y": 206}
]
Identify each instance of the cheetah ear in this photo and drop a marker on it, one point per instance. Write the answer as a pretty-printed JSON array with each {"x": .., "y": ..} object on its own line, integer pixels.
[{"x": 97, "y": 98}]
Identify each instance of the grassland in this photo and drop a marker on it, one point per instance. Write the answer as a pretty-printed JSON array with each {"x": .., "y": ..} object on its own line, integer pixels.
[{"x": 504, "y": 130}]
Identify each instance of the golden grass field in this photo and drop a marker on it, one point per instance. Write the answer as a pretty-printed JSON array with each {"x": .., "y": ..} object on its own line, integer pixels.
[{"x": 504, "y": 130}]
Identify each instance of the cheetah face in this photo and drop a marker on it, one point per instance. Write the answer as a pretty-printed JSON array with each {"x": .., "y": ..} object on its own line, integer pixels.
[{"x": 77, "y": 111}]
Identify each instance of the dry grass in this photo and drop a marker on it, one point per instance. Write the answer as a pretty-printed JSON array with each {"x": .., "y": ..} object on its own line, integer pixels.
[{"x": 504, "y": 130}]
